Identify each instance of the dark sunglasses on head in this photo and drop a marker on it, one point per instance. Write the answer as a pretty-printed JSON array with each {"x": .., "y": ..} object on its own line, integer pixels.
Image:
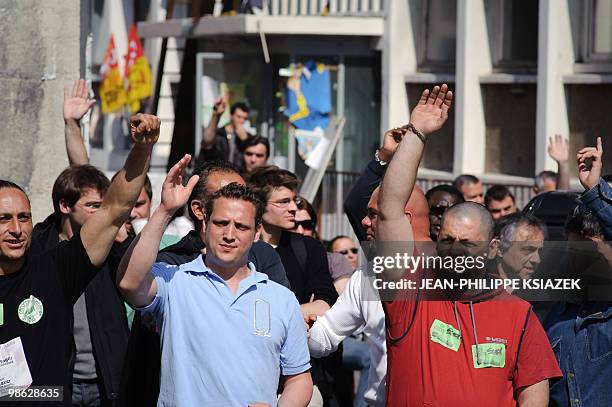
[
  {"x": 353, "y": 250},
  {"x": 306, "y": 224}
]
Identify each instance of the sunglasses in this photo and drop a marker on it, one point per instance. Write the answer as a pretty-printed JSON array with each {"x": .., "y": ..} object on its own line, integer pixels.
[
  {"x": 353, "y": 250},
  {"x": 306, "y": 224},
  {"x": 437, "y": 210}
]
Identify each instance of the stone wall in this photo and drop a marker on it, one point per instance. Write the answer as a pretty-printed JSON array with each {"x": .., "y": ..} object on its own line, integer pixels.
[{"x": 41, "y": 50}]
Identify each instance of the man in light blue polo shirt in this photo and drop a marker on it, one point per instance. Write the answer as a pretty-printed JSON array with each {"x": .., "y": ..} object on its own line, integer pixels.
[{"x": 227, "y": 332}]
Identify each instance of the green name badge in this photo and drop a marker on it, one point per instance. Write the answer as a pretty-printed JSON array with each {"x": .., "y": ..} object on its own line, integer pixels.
[
  {"x": 489, "y": 355},
  {"x": 445, "y": 334},
  {"x": 1, "y": 314}
]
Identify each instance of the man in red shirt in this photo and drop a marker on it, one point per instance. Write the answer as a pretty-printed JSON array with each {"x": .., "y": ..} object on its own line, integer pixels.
[{"x": 462, "y": 348}]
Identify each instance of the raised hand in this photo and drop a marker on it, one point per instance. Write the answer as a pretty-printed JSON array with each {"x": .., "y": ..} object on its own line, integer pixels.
[
  {"x": 174, "y": 195},
  {"x": 431, "y": 112},
  {"x": 79, "y": 103},
  {"x": 391, "y": 140},
  {"x": 589, "y": 165},
  {"x": 558, "y": 148},
  {"x": 144, "y": 128},
  {"x": 219, "y": 107}
]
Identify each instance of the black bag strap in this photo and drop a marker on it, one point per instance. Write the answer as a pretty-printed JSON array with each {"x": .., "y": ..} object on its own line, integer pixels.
[{"x": 518, "y": 349}]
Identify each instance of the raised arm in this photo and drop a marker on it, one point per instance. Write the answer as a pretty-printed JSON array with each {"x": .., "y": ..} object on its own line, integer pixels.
[
  {"x": 133, "y": 275},
  {"x": 598, "y": 194},
  {"x": 356, "y": 202},
  {"x": 99, "y": 232},
  {"x": 75, "y": 107},
  {"x": 210, "y": 131},
  {"x": 428, "y": 116},
  {"x": 558, "y": 149}
]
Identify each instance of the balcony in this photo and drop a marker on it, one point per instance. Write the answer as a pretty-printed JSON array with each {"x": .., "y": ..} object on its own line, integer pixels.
[{"x": 363, "y": 18}]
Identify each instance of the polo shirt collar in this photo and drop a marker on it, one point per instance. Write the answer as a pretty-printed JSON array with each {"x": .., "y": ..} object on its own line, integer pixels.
[{"x": 197, "y": 266}]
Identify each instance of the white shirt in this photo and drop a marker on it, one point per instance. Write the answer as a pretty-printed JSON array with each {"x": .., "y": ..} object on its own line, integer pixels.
[{"x": 358, "y": 307}]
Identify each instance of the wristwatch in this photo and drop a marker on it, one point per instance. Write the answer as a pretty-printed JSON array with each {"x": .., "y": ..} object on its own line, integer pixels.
[{"x": 378, "y": 160}]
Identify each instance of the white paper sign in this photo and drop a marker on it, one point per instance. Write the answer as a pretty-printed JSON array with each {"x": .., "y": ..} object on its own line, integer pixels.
[{"x": 14, "y": 371}]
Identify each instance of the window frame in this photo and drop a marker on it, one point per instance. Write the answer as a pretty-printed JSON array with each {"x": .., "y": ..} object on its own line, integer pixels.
[
  {"x": 588, "y": 60},
  {"x": 500, "y": 11},
  {"x": 424, "y": 64}
]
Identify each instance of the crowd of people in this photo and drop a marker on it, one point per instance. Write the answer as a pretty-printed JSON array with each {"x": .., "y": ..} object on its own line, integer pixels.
[{"x": 110, "y": 302}]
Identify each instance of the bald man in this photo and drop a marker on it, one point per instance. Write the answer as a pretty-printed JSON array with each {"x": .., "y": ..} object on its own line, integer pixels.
[{"x": 463, "y": 348}]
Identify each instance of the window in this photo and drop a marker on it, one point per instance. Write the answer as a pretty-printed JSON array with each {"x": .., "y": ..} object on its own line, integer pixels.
[
  {"x": 589, "y": 117},
  {"x": 440, "y": 149},
  {"x": 435, "y": 27},
  {"x": 513, "y": 34},
  {"x": 510, "y": 138},
  {"x": 596, "y": 33}
]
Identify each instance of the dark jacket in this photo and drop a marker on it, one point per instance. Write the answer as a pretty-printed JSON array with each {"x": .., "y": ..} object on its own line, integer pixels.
[
  {"x": 356, "y": 202},
  {"x": 599, "y": 200},
  {"x": 105, "y": 309}
]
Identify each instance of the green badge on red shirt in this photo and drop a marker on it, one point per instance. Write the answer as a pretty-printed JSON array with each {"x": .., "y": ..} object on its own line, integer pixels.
[
  {"x": 489, "y": 355},
  {"x": 445, "y": 334}
]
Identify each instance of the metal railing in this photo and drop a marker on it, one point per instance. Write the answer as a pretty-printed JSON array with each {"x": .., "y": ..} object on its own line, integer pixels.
[
  {"x": 326, "y": 7},
  {"x": 336, "y": 186}
]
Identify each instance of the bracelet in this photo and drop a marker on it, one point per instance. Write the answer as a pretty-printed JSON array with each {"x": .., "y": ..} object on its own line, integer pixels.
[
  {"x": 414, "y": 130},
  {"x": 378, "y": 160}
]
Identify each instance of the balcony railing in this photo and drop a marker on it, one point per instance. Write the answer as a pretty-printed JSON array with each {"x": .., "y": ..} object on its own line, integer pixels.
[{"x": 358, "y": 8}]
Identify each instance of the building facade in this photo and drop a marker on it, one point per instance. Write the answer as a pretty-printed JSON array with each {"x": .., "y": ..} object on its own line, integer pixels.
[{"x": 522, "y": 71}]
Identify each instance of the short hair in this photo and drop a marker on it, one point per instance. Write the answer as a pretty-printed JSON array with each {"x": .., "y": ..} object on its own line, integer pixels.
[
  {"x": 200, "y": 192},
  {"x": 497, "y": 193},
  {"x": 71, "y": 182},
  {"x": 5, "y": 184},
  {"x": 583, "y": 222},
  {"x": 506, "y": 227},
  {"x": 147, "y": 185},
  {"x": 302, "y": 203},
  {"x": 239, "y": 105},
  {"x": 487, "y": 225},
  {"x": 237, "y": 192},
  {"x": 265, "y": 179},
  {"x": 465, "y": 179},
  {"x": 330, "y": 244},
  {"x": 542, "y": 177},
  {"x": 255, "y": 140},
  {"x": 454, "y": 192}
]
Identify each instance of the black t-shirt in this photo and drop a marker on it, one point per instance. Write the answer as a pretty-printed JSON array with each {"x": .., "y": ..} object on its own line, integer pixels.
[{"x": 51, "y": 282}]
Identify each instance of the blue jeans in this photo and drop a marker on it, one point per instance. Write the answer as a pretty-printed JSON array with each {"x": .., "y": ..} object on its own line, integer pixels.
[
  {"x": 356, "y": 356},
  {"x": 85, "y": 394}
]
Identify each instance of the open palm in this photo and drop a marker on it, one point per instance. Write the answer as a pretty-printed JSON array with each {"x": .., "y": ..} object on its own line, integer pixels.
[
  {"x": 431, "y": 112},
  {"x": 174, "y": 194},
  {"x": 79, "y": 103}
]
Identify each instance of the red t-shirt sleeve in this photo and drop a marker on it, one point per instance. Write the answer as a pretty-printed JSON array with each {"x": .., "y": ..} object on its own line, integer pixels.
[{"x": 536, "y": 360}]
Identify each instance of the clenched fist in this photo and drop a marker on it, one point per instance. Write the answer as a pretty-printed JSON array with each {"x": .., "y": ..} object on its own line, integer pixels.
[{"x": 144, "y": 128}]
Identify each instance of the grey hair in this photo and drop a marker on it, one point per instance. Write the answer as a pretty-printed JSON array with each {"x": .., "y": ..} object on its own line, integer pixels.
[
  {"x": 542, "y": 177},
  {"x": 471, "y": 210},
  {"x": 507, "y": 227}
]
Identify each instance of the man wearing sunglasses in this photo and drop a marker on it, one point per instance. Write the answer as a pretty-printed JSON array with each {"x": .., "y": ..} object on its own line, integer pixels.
[{"x": 439, "y": 199}]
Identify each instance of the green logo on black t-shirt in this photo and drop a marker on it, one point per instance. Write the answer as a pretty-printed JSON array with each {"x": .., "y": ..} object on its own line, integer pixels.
[{"x": 30, "y": 310}]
